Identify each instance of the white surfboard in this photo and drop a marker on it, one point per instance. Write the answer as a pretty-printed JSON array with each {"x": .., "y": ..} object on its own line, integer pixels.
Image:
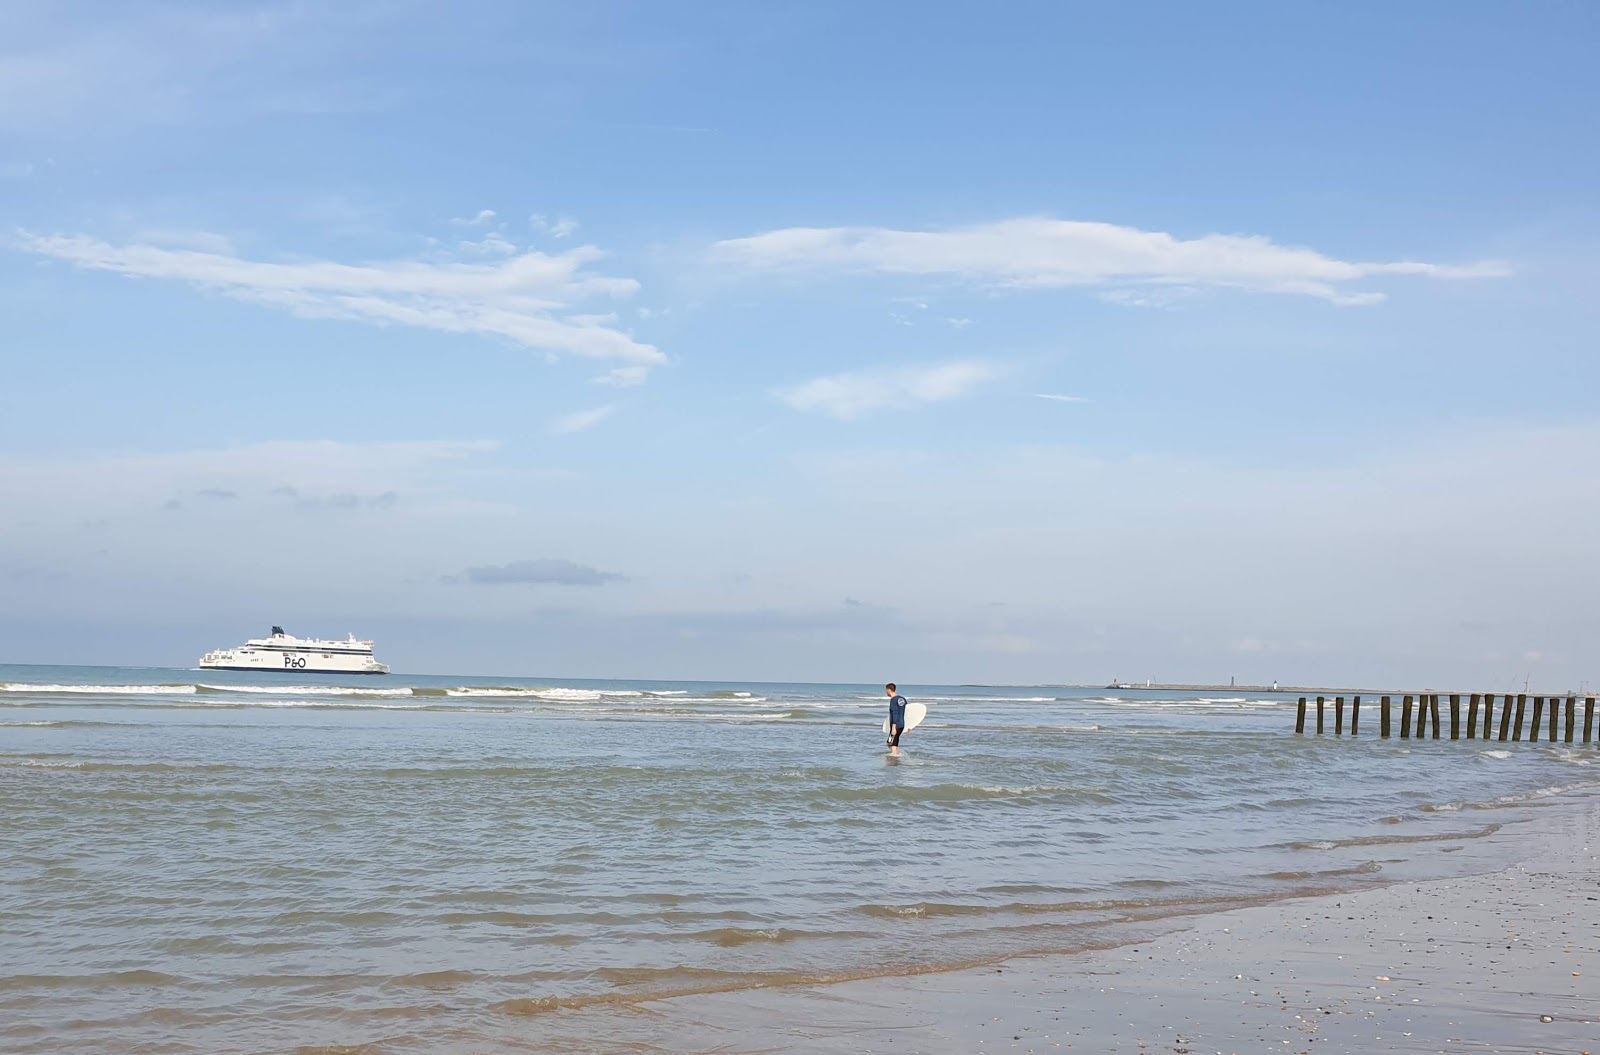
[{"x": 915, "y": 712}]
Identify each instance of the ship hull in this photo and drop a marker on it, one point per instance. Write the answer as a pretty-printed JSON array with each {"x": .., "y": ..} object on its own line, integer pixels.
[
  {"x": 292, "y": 670},
  {"x": 293, "y": 662}
]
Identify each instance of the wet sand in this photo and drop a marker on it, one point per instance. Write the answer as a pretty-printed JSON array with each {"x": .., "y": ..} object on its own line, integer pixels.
[{"x": 1508, "y": 962}]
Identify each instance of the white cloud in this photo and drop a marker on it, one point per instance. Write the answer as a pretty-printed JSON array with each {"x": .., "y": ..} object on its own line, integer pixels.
[
  {"x": 560, "y": 227},
  {"x": 483, "y": 217},
  {"x": 1056, "y": 397},
  {"x": 525, "y": 297},
  {"x": 204, "y": 241},
  {"x": 1040, "y": 252},
  {"x": 623, "y": 376},
  {"x": 850, "y": 395},
  {"x": 582, "y": 419}
]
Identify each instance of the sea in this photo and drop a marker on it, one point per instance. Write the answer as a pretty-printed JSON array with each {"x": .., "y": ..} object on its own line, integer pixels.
[{"x": 207, "y": 862}]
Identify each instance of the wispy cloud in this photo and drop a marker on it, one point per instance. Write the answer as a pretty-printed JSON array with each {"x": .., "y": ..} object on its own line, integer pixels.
[
  {"x": 582, "y": 419},
  {"x": 138, "y": 62},
  {"x": 624, "y": 376},
  {"x": 560, "y": 227},
  {"x": 1041, "y": 252},
  {"x": 1056, "y": 397},
  {"x": 483, "y": 217},
  {"x": 303, "y": 472},
  {"x": 528, "y": 297},
  {"x": 849, "y": 395},
  {"x": 543, "y": 571}
]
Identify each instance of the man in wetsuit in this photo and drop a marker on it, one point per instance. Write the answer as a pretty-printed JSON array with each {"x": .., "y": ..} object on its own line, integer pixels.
[{"x": 897, "y": 714}]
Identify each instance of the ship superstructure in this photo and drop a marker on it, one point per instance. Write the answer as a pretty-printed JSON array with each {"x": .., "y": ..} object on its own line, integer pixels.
[{"x": 304, "y": 655}]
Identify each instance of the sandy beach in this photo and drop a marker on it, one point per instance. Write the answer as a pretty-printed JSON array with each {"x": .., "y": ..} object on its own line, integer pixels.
[{"x": 1505, "y": 962}]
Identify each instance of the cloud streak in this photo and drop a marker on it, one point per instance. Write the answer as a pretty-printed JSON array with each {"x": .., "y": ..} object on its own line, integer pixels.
[
  {"x": 528, "y": 297},
  {"x": 582, "y": 419},
  {"x": 850, "y": 395},
  {"x": 308, "y": 473},
  {"x": 544, "y": 571},
  {"x": 1037, "y": 252}
]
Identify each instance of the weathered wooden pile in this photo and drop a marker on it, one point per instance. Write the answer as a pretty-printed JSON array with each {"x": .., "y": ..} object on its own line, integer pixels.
[{"x": 1513, "y": 709}]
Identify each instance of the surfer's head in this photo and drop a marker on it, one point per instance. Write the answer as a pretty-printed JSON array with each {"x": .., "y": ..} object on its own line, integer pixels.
[{"x": 890, "y": 689}]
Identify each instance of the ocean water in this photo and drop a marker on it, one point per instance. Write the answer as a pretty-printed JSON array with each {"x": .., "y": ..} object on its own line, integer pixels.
[{"x": 219, "y": 862}]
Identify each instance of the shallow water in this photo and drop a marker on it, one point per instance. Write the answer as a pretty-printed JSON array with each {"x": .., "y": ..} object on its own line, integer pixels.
[{"x": 209, "y": 862}]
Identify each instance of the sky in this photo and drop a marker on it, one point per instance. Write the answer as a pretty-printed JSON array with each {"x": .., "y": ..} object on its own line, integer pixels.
[{"x": 826, "y": 341}]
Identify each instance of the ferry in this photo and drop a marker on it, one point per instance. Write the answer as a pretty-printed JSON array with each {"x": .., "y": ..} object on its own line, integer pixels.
[{"x": 302, "y": 655}]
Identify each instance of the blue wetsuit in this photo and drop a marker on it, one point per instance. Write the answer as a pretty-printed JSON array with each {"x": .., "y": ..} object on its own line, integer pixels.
[{"x": 897, "y": 717}]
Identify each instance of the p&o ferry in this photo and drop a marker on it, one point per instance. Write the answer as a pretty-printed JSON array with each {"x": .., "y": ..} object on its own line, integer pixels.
[{"x": 307, "y": 655}]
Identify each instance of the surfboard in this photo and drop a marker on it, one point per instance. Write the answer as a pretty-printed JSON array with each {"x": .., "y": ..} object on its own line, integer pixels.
[{"x": 915, "y": 712}]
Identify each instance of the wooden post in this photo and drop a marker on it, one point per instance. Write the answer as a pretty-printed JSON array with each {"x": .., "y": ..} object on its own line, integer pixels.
[
  {"x": 1572, "y": 717},
  {"x": 1422, "y": 716},
  {"x": 1383, "y": 716},
  {"x": 1338, "y": 716},
  {"x": 1355, "y": 714},
  {"x": 1455, "y": 716},
  {"x": 1472, "y": 717},
  {"x": 1516, "y": 733},
  {"x": 1588, "y": 717},
  {"x": 1405, "y": 718},
  {"x": 1488, "y": 716},
  {"x": 1538, "y": 715},
  {"x": 1300, "y": 717},
  {"x": 1319, "y": 715},
  {"x": 1555, "y": 707},
  {"x": 1505, "y": 716}
]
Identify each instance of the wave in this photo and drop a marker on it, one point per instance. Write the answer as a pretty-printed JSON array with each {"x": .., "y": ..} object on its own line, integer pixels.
[
  {"x": 1387, "y": 840},
  {"x": 100, "y": 690},
  {"x": 554, "y": 694},
  {"x": 302, "y": 690},
  {"x": 64, "y": 724},
  {"x": 1365, "y": 868},
  {"x": 202, "y": 689}
]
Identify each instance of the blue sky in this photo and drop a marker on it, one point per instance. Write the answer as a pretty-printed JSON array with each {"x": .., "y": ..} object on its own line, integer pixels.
[{"x": 1030, "y": 342}]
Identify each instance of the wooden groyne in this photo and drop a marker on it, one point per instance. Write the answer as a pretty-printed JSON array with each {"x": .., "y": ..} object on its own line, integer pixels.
[{"x": 1560, "y": 726}]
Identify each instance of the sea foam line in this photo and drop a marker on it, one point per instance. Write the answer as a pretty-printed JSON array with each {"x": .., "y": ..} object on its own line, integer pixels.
[{"x": 101, "y": 690}]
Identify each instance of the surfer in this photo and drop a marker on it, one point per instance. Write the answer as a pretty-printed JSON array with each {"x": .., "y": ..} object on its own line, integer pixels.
[{"x": 897, "y": 714}]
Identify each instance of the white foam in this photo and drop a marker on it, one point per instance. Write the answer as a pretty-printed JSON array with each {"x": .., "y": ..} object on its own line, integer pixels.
[
  {"x": 101, "y": 690},
  {"x": 1008, "y": 789},
  {"x": 491, "y": 692},
  {"x": 336, "y": 703},
  {"x": 574, "y": 695},
  {"x": 1495, "y": 754},
  {"x": 305, "y": 690}
]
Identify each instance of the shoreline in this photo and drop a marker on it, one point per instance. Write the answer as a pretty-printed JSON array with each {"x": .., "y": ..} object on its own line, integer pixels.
[{"x": 1461, "y": 964}]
